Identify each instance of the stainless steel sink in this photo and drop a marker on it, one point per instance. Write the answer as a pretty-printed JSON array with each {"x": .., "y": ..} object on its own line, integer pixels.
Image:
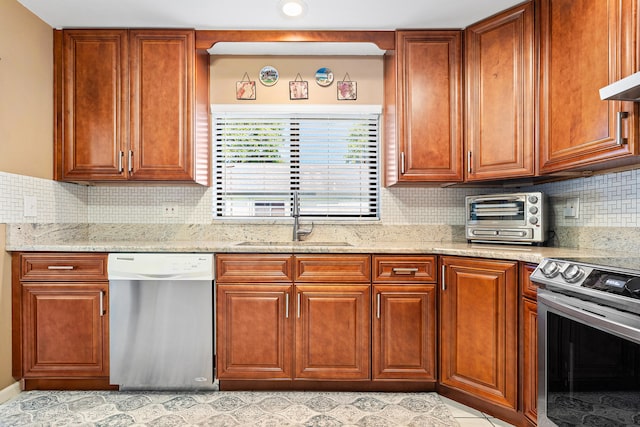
[{"x": 291, "y": 243}]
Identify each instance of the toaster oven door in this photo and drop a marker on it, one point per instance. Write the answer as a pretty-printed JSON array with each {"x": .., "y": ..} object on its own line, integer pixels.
[{"x": 496, "y": 211}]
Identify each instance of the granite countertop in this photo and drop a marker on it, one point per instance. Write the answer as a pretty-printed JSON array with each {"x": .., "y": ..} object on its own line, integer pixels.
[{"x": 57, "y": 238}]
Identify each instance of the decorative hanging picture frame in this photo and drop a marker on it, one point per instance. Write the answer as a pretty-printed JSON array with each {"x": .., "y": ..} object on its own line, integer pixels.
[
  {"x": 347, "y": 89},
  {"x": 246, "y": 88},
  {"x": 298, "y": 88}
]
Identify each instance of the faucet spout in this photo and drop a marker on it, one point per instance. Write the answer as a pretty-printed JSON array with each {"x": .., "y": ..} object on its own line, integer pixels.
[{"x": 295, "y": 212}]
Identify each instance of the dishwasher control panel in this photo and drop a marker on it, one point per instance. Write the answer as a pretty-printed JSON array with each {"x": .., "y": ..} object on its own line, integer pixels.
[{"x": 160, "y": 266}]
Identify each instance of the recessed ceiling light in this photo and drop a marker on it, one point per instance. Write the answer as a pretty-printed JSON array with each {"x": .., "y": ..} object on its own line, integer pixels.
[{"x": 293, "y": 8}]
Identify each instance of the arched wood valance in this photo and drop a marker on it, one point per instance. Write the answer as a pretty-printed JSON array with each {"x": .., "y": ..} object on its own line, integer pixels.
[{"x": 205, "y": 39}]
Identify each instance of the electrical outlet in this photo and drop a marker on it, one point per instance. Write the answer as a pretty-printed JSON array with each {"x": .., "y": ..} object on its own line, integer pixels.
[
  {"x": 30, "y": 207},
  {"x": 571, "y": 207},
  {"x": 170, "y": 211}
]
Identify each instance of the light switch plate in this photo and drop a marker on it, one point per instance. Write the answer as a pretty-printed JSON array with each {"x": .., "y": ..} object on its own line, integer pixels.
[{"x": 30, "y": 207}]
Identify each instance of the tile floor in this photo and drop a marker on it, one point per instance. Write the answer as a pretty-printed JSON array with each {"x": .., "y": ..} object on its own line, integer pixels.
[{"x": 469, "y": 417}]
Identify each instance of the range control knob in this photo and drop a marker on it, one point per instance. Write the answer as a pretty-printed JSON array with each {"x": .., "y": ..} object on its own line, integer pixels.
[
  {"x": 550, "y": 269},
  {"x": 572, "y": 273},
  {"x": 533, "y": 199},
  {"x": 533, "y": 210},
  {"x": 533, "y": 220}
]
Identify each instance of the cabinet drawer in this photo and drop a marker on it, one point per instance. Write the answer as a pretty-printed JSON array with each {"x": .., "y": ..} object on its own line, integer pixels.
[
  {"x": 250, "y": 268},
  {"x": 333, "y": 268},
  {"x": 59, "y": 266},
  {"x": 396, "y": 269},
  {"x": 529, "y": 289}
]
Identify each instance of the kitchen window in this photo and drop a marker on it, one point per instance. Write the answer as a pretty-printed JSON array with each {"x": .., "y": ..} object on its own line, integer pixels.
[{"x": 329, "y": 156}]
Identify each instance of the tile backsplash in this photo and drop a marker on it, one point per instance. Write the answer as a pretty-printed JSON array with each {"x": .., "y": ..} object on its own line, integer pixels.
[{"x": 609, "y": 200}]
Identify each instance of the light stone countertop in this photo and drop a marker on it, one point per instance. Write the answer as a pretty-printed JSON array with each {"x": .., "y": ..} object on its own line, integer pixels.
[{"x": 190, "y": 239}]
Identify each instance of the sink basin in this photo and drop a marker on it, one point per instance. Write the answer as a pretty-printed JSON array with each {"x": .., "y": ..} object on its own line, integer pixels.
[{"x": 299, "y": 243}]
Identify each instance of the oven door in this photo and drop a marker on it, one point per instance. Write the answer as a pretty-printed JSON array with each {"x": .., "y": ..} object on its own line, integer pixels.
[{"x": 588, "y": 363}]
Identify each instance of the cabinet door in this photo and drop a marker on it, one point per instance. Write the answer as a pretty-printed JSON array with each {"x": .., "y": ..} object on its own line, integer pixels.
[
  {"x": 428, "y": 104},
  {"x": 162, "y": 100},
  {"x": 91, "y": 101},
  {"x": 404, "y": 332},
  {"x": 332, "y": 332},
  {"x": 530, "y": 359},
  {"x": 64, "y": 330},
  {"x": 254, "y": 331},
  {"x": 500, "y": 88},
  {"x": 585, "y": 45},
  {"x": 478, "y": 328}
]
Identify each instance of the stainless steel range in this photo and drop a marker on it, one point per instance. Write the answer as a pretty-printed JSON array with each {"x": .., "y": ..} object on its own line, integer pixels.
[{"x": 588, "y": 341}]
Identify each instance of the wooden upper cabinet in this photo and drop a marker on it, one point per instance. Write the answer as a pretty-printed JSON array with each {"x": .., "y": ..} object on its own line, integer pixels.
[
  {"x": 500, "y": 89},
  {"x": 423, "y": 108},
  {"x": 91, "y": 94},
  {"x": 585, "y": 45},
  {"x": 130, "y": 105}
]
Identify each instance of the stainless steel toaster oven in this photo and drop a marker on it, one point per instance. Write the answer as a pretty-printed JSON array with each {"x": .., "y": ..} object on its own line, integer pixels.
[{"x": 507, "y": 218}]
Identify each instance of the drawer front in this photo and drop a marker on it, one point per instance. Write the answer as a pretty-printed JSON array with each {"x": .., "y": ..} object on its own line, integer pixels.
[
  {"x": 333, "y": 268},
  {"x": 63, "y": 266},
  {"x": 529, "y": 289},
  {"x": 397, "y": 269},
  {"x": 253, "y": 268}
]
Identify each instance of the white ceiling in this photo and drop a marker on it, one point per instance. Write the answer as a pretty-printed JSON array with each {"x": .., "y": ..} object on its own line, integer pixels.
[{"x": 264, "y": 14}]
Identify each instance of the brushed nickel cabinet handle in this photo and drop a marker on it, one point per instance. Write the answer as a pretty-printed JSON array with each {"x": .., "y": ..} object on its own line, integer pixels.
[
  {"x": 298, "y": 305},
  {"x": 402, "y": 163},
  {"x": 102, "y": 303},
  {"x": 286, "y": 305},
  {"x": 469, "y": 160},
  {"x": 378, "y": 305},
  {"x": 444, "y": 272},
  {"x": 621, "y": 115},
  {"x": 120, "y": 166},
  {"x": 60, "y": 267},
  {"x": 405, "y": 270},
  {"x": 130, "y": 161}
]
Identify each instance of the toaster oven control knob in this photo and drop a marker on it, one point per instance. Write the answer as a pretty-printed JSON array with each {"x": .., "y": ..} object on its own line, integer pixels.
[
  {"x": 533, "y": 220},
  {"x": 533, "y": 199},
  {"x": 533, "y": 210},
  {"x": 572, "y": 273},
  {"x": 550, "y": 269}
]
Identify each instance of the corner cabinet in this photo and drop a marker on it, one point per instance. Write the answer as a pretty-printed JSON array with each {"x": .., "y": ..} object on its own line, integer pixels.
[
  {"x": 479, "y": 333},
  {"x": 423, "y": 108},
  {"x": 585, "y": 45},
  {"x": 130, "y": 105},
  {"x": 60, "y": 321},
  {"x": 500, "y": 106}
]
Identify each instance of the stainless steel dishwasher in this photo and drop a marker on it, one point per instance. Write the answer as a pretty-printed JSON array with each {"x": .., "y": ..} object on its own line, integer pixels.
[{"x": 161, "y": 321}]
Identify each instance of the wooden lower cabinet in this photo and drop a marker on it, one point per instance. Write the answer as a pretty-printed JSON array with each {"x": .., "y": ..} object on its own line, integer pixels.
[
  {"x": 404, "y": 332},
  {"x": 479, "y": 331},
  {"x": 64, "y": 327},
  {"x": 255, "y": 331},
  {"x": 332, "y": 331},
  {"x": 60, "y": 321}
]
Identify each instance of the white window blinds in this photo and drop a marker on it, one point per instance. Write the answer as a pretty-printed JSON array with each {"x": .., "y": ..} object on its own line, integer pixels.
[{"x": 261, "y": 159}]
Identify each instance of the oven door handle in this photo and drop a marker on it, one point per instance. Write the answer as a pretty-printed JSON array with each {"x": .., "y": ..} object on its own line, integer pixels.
[{"x": 622, "y": 324}]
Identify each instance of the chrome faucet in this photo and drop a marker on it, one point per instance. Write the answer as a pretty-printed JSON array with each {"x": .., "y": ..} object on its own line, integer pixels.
[{"x": 297, "y": 231}]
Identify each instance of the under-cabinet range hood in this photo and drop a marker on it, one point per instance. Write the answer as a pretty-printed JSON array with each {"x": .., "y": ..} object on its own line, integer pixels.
[{"x": 627, "y": 89}]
